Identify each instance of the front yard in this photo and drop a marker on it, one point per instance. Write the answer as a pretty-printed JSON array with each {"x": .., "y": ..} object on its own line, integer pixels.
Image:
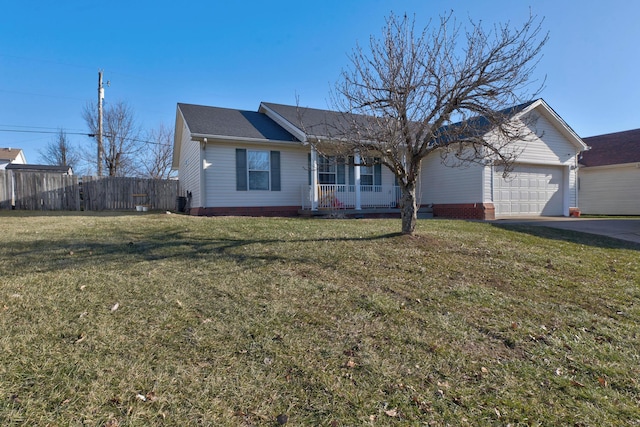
[{"x": 132, "y": 320}]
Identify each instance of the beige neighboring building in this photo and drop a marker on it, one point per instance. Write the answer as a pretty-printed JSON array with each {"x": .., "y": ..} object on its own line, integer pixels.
[
  {"x": 11, "y": 155},
  {"x": 610, "y": 174}
]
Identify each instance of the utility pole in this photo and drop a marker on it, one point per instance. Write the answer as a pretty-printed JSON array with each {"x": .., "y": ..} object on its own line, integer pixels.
[{"x": 100, "y": 146}]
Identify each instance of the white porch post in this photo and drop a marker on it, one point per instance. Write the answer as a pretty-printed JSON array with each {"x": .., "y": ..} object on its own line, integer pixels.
[
  {"x": 356, "y": 179},
  {"x": 314, "y": 179}
]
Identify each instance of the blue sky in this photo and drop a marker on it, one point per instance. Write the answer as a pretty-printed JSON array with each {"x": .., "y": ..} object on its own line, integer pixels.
[{"x": 236, "y": 54}]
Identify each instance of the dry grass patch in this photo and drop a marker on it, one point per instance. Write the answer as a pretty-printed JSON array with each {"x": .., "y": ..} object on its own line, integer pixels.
[{"x": 171, "y": 320}]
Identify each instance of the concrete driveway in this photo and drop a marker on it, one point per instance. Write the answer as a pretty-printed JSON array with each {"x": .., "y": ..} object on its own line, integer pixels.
[{"x": 624, "y": 228}]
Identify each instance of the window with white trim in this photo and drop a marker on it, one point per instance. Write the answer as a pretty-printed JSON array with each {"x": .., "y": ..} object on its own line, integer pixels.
[
  {"x": 258, "y": 169},
  {"x": 327, "y": 170}
]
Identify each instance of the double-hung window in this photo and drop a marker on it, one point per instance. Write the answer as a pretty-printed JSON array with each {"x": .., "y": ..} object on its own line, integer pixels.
[
  {"x": 326, "y": 170},
  {"x": 258, "y": 169},
  {"x": 366, "y": 174}
]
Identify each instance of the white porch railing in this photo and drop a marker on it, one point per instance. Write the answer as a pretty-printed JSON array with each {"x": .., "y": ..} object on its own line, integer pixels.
[{"x": 342, "y": 196}]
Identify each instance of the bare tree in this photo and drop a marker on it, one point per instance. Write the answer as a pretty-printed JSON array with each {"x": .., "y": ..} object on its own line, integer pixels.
[
  {"x": 156, "y": 159},
  {"x": 121, "y": 132},
  {"x": 443, "y": 90},
  {"x": 60, "y": 151}
]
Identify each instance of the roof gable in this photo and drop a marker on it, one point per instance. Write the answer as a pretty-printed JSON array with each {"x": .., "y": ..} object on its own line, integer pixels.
[
  {"x": 312, "y": 122},
  {"x": 11, "y": 154},
  {"x": 612, "y": 149}
]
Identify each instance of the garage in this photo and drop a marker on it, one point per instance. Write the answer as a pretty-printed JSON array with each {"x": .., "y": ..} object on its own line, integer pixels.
[{"x": 529, "y": 191}]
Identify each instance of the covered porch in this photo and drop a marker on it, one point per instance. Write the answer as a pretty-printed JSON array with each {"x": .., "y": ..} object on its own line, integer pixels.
[
  {"x": 356, "y": 197},
  {"x": 339, "y": 182}
]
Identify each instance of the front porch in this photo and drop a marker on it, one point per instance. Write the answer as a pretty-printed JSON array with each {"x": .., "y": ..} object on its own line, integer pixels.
[
  {"x": 356, "y": 197},
  {"x": 362, "y": 201}
]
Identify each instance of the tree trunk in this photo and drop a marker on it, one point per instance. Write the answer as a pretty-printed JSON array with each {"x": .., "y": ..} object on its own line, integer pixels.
[{"x": 409, "y": 210}]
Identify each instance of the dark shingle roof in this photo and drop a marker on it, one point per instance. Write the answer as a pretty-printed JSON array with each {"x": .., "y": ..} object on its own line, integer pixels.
[
  {"x": 612, "y": 149},
  {"x": 326, "y": 123},
  {"x": 316, "y": 122},
  {"x": 38, "y": 168},
  {"x": 232, "y": 123}
]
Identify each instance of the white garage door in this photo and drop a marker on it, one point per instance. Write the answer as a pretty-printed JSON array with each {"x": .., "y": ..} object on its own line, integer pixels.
[{"x": 529, "y": 191}]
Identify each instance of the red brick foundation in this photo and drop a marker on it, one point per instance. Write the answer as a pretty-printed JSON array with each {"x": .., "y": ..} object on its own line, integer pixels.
[
  {"x": 247, "y": 211},
  {"x": 465, "y": 210}
]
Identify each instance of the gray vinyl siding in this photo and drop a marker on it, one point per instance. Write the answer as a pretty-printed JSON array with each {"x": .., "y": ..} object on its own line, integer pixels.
[
  {"x": 546, "y": 146},
  {"x": 220, "y": 176},
  {"x": 442, "y": 184},
  {"x": 189, "y": 171}
]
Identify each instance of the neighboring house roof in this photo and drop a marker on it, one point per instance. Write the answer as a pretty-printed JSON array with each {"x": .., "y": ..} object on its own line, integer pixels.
[
  {"x": 39, "y": 168},
  {"x": 12, "y": 154},
  {"x": 612, "y": 149},
  {"x": 225, "y": 122}
]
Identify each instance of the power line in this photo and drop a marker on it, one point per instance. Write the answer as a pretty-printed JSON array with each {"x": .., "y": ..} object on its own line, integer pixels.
[
  {"x": 42, "y": 131},
  {"x": 91, "y": 135}
]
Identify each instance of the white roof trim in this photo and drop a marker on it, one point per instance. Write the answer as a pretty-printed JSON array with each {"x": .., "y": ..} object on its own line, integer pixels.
[
  {"x": 287, "y": 125},
  {"x": 227, "y": 138}
]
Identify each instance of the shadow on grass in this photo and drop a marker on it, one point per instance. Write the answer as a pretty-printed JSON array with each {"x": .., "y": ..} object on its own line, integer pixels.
[
  {"x": 578, "y": 237},
  {"x": 54, "y": 255}
]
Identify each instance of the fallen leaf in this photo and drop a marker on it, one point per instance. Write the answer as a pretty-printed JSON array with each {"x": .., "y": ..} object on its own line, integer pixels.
[
  {"x": 484, "y": 370},
  {"x": 115, "y": 307},
  {"x": 151, "y": 396},
  {"x": 576, "y": 383},
  {"x": 392, "y": 412},
  {"x": 602, "y": 381},
  {"x": 350, "y": 364},
  {"x": 81, "y": 338}
]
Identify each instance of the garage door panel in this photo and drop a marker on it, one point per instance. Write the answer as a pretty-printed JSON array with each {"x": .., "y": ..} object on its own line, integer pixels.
[{"x": 529, "y": 191}]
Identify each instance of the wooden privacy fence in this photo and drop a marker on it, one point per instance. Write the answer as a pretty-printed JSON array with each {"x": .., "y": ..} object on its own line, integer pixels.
[
  {"x": 115, "y": 193},
  {"x": 54, "y": 191},
  {"x": 45, "y": 191}
]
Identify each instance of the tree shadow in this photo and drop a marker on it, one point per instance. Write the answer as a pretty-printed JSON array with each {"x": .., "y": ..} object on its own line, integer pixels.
[
  {"x": 130, "y": 247},
  {"x": 579, "y": 237}
]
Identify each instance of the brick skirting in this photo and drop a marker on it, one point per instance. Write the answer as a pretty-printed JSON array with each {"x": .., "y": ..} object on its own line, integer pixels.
[
  {"x": 247, "y": 211},
  {"x": 465, "y": 210},
  {"x": 458, "y": 210}
]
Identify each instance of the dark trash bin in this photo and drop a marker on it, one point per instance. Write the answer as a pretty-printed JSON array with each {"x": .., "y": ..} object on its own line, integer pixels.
[{"x": 181, "y": 204}]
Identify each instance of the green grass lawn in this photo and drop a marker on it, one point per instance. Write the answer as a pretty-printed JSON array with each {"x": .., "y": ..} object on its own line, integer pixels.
[{"x": 136, "y": 320}]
